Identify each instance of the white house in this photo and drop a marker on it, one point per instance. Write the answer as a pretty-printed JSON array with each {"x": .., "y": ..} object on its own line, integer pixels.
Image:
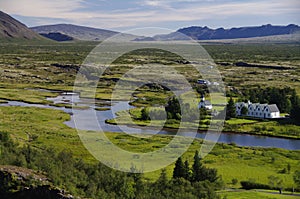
[
  {"x": 258, "y": 110},
  {"x": 205, "y": 103}
]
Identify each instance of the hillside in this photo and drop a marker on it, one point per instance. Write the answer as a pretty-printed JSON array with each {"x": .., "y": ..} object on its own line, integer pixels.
[
  {"x": 78, "y": 32},
  {"x": 11, "y": 28},
  {"x": 205, "y": 33}
]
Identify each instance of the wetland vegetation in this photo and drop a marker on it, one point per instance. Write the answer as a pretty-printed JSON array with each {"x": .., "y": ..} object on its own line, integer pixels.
[{"x": 38, "y": 139}]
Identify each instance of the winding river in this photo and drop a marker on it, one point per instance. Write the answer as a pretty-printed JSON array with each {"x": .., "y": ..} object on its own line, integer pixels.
[{"x": 86, "y": 124}]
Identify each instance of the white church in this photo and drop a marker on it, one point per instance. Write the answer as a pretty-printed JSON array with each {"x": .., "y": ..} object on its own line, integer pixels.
[
  {"x": 258, "y": 110},
  {"x": 205, "y": 103}
]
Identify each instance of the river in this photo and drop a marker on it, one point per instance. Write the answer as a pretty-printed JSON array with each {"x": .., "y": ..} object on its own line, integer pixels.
[{"x": 85, "y": 123}]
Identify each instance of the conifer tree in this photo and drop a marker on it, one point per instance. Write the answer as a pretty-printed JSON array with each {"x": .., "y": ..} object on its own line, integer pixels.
[
  {"x": 179, "y": 170},
  {"x": 197, "y": 168},
  {"x": 186, "y": 174},
  {"x": 230, "y": 109}
]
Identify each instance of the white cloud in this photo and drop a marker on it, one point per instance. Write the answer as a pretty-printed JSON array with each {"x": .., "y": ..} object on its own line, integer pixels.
[
  {"x": 71, "y": 11},
  {"x": 198, "y": 12},
  {"x": 40, "y": 8}
]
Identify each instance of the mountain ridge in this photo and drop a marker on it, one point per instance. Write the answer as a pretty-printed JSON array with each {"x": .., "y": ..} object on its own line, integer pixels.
[{"x": 205, "y": 33}]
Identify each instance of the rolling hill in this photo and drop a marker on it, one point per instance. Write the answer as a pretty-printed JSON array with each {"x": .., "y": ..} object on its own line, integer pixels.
[
  {"x": 11, "y": 28},
  {"x": 78, "y": 32}
]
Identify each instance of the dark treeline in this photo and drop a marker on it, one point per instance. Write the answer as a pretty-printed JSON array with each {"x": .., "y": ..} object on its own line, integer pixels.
[
  {"x": 271, "y": 95},
  {"x": 96, "y": 180},
  {"x": 286, "y": 98}
]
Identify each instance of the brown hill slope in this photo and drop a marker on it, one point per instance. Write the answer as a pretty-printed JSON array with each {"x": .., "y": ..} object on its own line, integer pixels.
[{"x": 11, "y": 28}]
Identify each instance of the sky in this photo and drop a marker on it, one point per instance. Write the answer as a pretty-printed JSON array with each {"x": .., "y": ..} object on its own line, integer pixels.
[{"x": 123, "y": 15}]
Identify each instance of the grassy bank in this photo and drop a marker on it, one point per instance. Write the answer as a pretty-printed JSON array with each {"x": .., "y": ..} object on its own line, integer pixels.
[{"x": 274, "y": 128}]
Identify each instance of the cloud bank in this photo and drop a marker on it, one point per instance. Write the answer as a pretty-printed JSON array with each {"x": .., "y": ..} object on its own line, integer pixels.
[{"x": 134, "y": 13}]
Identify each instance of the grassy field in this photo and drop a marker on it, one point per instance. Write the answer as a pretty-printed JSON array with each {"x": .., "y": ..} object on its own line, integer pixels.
[
  {"x": 255, "y": 194},
  {"x": 41, "y": 128},
  {"x": 30, "y": 96}
]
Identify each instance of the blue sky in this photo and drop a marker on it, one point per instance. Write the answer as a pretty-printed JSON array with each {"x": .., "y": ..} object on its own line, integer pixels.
[{"x": 172, "y": 14}]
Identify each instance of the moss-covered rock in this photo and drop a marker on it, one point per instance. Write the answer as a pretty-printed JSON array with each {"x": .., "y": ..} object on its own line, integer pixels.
[{"x": 18, "y": 182}]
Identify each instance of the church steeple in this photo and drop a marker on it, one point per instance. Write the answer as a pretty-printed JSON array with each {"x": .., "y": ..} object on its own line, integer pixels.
[{"x": 202, "y": 98}]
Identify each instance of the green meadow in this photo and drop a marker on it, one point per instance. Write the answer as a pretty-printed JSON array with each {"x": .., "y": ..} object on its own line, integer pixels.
[{"x": 256, "y": 194}]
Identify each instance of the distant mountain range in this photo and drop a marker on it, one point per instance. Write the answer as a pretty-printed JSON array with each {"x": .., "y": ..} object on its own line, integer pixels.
[
  {"x": 205, "y": 33},
  {"x": 10, "y": 29}
]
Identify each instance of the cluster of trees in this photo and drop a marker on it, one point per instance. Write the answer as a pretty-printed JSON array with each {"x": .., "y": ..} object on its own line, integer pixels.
[
  {"x": 182, "y": 188},
  {"x": 275, "y": 183},
  {"x": 271, "y": 95},
  {"x": 286, "y": 98},
  {"x": 197, "y": 173},
  {"x": 96, "y": 180},
  {"x": 295, "y": 108},
  {"x": 186, "y": 113},
  {"x": 173, "y": 110}
]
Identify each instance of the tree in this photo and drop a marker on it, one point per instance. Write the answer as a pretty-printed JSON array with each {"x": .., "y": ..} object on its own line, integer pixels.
[
  {"x": 201, "y": 173},
  {"x": 295, "y": 110},
  {"x": 244, "y": 110},
  {"x": 230, "y": 109},
  {"x": 186, "y": 173},
  {"x": 197, "y": 168},
  {"x": 205, "y": 190},
  {"x": 296, "y": 178},
  {"x": 179, "y": 171},
  {"x": 173, "y": 109},
  {"x": 145, "y": 114},
  {"x": 289, "y": 168},
  {"x": 234, "y": 181},
  {"x": 162, "y": 184},
  {"x": 210, "y": 174},
  {"x": 275, "y": 182}
]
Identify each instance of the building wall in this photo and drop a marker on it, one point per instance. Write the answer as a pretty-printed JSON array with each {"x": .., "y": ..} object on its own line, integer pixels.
[
  {"x": 257, "y": 113},
  {"x": 275, "y": 115}
]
